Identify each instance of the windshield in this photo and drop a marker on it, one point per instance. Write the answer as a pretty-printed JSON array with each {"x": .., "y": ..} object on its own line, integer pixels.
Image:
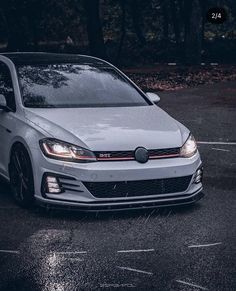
[{"x": 73, "y": 85}]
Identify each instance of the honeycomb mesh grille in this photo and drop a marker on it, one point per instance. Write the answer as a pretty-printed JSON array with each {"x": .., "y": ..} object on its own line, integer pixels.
[{"x": 138, "y": 188}]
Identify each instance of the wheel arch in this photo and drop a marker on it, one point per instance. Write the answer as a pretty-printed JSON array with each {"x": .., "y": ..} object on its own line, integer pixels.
[
  {"x": 21, "y": 174},
  {"x": 22, "y": 142}
]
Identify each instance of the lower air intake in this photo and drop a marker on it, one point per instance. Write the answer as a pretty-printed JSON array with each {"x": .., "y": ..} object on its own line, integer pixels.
[{"x": 138, "y": 188}]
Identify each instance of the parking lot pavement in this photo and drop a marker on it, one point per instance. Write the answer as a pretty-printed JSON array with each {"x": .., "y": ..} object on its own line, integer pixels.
[{"x": 190, "y": 248}]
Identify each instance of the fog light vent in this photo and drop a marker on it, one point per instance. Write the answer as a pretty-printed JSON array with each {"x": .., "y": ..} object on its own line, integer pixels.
[
  {"x": 51, "y": 185},
  {"x": 198, "y": 176}
]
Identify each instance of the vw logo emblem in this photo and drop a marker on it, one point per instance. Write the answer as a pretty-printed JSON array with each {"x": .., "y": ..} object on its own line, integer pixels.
[{"x": 141, "y": 155}]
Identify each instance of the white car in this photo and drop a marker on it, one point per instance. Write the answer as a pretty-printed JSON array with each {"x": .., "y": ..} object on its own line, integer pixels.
[{"x": 75, "y": 131}]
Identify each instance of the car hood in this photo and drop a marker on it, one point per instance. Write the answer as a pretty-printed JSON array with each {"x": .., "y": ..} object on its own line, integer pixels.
[{"x": 111, "y": 128}]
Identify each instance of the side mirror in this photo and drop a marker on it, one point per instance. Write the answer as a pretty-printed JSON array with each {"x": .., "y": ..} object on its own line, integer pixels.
[
  {"x": 3, "y": 103},
  {"x": 153, "y": 97}
]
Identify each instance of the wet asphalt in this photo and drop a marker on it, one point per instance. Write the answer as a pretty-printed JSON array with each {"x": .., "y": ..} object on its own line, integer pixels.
[{"x": 184, "y": 248}]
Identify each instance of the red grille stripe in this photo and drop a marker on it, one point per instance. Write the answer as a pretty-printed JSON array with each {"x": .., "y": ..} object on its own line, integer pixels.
[{"x": 132, "y": 158}]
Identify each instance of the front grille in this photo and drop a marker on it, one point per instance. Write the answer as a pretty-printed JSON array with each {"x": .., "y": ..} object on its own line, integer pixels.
[
  {"x": 130, "y": 155},
  {"x": 164, "y": 152},
  {"x": 138, "y": 188}
]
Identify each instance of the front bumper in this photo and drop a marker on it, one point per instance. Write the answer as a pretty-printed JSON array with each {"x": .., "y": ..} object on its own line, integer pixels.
[
  {"x": 143, "y": 204},
  {"x": 80, "y": 174}
]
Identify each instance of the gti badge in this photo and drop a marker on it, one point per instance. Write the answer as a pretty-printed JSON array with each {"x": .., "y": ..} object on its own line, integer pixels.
[{"x": 104, "y": 155}]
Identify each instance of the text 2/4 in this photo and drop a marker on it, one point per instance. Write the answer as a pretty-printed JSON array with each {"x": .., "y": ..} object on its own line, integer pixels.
[{"x": 216, "y": 15}]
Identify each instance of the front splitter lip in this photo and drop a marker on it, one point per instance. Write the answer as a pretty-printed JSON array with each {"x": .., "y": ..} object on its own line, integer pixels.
[{"x": 111, "y": 206}]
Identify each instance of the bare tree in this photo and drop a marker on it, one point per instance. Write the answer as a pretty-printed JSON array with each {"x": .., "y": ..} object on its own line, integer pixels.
[
  {"x": 193, "y": 32},
  {"x": 136, "y": 18},
  {"x": 123, "y": 29},
  {"x": 165, "y": 9},
  {"x": 17, "y": 34},
  {"x": 175, "y": 22},
  {"x": 94, "y": 29},
  {"x": 203, "y": 4}
]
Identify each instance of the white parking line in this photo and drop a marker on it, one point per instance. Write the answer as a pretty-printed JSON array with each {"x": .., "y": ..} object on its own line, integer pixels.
[
  {"x": 135, "y": 251},
  {"x": 9, "y": 252},
  {"x": 116, "y": 285},
  {"x": 134, "y": 270},
  {"x": 205, "y": 245},
  {"x": 192, "y": 285},
  {"x": 222, "y": 150},
  {"x": 71, "y": 253},
  {"x": 216, "y": 142}
]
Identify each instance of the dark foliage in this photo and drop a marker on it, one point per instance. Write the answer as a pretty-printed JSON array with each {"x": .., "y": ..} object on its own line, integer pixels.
[{"x": 126, "y": 32}]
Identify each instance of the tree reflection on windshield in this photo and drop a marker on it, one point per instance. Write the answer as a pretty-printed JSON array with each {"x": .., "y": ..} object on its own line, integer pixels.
[{"x": 73, "y": 85}]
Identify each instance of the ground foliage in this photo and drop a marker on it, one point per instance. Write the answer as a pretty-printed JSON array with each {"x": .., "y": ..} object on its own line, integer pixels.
[{"x": 162, "y": 78}]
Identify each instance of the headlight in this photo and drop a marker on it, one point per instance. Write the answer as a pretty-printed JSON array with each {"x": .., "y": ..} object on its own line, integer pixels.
[
  {"x": 59, "y": 150},
  {"x": 189, "y": 148}
]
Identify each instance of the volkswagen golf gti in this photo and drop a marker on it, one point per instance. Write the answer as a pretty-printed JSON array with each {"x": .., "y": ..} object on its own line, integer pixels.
[{"x": 75, "y": 131}]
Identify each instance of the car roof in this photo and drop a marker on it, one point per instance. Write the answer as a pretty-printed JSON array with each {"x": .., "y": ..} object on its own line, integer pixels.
[{"x": 30, "y": 58}]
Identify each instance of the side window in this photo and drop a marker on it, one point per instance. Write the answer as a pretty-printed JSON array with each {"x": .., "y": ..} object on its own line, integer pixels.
[{"x": 6, "y": 86}]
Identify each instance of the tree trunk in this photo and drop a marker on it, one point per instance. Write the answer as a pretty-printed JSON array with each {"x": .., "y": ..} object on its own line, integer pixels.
[
  {"x": 136, "y": 16},
  {"x": 17, "y": 31},
  {"x": 175, "y": 20},
  {"x": 34, "y": 15},
  {"x": 165, "y": 9},
  {"x": 94, "y": 29},
  {"x": 203, "y": 8},
  {"x": 192, "y": 37},
  {"x": 123, "y": 30}
]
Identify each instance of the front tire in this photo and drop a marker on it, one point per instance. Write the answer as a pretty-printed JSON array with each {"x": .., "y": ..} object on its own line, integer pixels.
[{"x": 21, "y": 176}]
